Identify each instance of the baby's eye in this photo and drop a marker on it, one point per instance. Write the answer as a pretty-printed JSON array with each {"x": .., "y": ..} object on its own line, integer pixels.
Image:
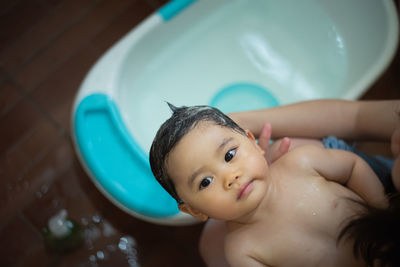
[
  {"x": 230, "y": 154},
  {"x": 205, "y": 182}
]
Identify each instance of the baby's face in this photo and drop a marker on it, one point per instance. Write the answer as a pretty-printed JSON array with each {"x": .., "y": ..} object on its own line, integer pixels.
[{"x": 218, "y": 172}]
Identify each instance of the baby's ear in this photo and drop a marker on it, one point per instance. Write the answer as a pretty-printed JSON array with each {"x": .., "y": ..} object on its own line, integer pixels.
[
  {"x": 192, "y": 211},
  {"x": 252, "y": 138},
  {"x": 250, "y": 135}
]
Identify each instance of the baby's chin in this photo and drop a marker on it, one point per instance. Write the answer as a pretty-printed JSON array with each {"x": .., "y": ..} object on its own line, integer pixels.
[{"x": 227, "y": 214}]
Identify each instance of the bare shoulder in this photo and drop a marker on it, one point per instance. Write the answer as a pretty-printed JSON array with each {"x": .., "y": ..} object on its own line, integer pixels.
[
  {"x": 307, "y": 160},
  {"x": 239, "y": 250},
  {"x": 314, "y": 156},
  {"x": 307, "y": 150},
  {"x": 236, "y": 247},
  {"x": 235, "y": 242},
  {"x": 301, "y": 156}
]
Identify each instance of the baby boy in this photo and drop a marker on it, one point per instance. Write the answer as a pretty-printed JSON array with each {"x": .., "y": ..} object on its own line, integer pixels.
[{"x": 288, "y": 213}]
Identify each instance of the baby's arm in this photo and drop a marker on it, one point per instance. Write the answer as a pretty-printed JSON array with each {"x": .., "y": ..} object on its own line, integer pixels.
[{"x": 348, "y": 169}]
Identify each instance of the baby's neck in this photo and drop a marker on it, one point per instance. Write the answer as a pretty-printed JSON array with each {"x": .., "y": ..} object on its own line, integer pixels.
[{"x": 249, "y": 220}]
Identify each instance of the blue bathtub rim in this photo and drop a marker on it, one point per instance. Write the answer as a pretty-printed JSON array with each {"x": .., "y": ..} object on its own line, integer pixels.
[
  {"x": 102, "y": 102},
  {"x": 173, "y": 8}
]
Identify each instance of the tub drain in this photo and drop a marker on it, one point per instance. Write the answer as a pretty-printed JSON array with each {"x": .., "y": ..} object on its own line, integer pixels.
[{"x": 243, "y": 96}]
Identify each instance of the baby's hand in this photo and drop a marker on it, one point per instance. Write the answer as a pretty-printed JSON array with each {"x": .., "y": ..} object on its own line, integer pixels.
[{"x": 263, "y": 142}]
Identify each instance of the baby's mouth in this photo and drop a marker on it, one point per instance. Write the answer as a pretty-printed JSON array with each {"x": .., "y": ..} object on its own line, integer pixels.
[{"x": 245, "y": 189}]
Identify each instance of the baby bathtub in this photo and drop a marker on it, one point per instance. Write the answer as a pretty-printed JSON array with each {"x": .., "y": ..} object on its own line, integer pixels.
[{"x": 232, "y": 54}]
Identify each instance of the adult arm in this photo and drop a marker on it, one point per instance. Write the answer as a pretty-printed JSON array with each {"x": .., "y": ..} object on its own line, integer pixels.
[{"x": 356, "y": 120}]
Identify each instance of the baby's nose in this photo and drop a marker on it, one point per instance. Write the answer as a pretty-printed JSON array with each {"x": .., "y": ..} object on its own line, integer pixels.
[{"x": 231, "y": 180}]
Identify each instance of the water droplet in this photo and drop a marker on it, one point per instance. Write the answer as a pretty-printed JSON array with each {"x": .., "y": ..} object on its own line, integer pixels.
[
  {"x": 126, "y": 243},
  {"x": 70, "y": 224},
  {"x": 315, "y": 187},
  {"x": 133, "y": 263},
  {"x": 96, "y": 219},
  {"x": 92, "y": 258},
  {"x": 122, "y": 244},
  {"x": 127, "y": 246},
  {"x": 131, "y": 241},
  {"x": 100, "y": 255}
]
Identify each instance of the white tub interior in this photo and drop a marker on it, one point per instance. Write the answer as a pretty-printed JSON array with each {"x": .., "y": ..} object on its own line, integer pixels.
[{"x": 296, "y": 50}]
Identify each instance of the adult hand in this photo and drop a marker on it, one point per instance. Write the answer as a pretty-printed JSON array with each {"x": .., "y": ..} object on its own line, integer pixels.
[{"x": 272, "y": 154}]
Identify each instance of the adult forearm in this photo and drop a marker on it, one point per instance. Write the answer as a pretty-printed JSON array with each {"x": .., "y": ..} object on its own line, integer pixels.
[
  {"x": 313, "y": 119},
  {"x": 319, "y": 118},
  {"x": 377, "y": 120}
]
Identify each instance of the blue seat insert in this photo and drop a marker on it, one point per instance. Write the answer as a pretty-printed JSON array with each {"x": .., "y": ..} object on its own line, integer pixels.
[{"x": 118, "y": 165}]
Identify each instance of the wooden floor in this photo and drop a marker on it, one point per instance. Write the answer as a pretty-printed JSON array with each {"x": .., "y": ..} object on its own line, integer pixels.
[{"x": 46, "y": 49}]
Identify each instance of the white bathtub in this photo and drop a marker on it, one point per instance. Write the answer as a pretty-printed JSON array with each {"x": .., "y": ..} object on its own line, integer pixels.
[{"x": 233, "y": 54}]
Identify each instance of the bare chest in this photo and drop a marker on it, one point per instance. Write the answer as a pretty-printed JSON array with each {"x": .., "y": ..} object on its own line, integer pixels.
[
  {"x": 316, "y": 205},
  {"x": 303, "y": 228}
]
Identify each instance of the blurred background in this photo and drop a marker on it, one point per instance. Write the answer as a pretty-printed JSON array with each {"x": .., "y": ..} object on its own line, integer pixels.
[{"x": 46, "y": 49}]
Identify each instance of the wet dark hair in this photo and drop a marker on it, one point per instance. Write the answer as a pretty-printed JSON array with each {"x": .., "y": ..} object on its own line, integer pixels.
[
  {"x": 183, "y": 120},
  {"x": 376, "y": 234}
]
